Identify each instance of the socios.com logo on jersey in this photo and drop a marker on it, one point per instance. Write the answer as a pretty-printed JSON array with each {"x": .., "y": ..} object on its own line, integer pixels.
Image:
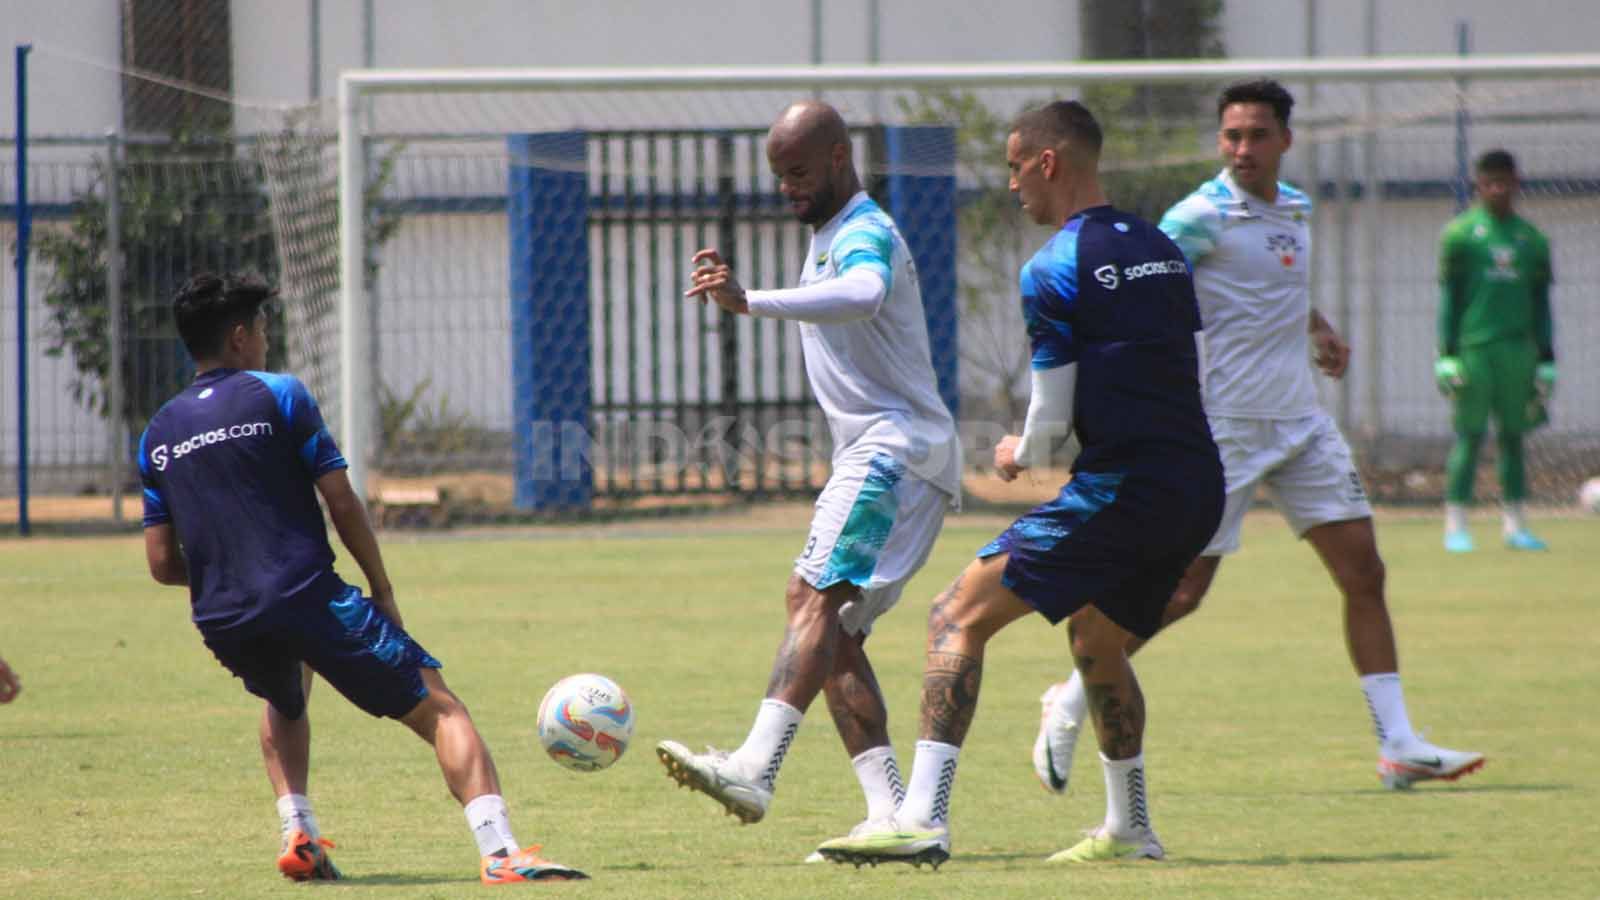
[
  {"x": 159, "y": 456},
  {"x": 1107, "y": 276}
]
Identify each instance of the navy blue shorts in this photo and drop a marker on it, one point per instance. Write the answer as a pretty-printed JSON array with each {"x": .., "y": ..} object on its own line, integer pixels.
[
  {"x": 346, "y": 640},
  {"x": 1118, "y": 542}
]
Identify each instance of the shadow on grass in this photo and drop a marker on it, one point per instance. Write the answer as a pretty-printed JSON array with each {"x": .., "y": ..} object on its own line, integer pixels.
[
  {"x": 1437, "y": 790},
  {"x": 56, "y": 736},
  {"x": 392, "y": 880},
  {"x": 1315, "y": 859}
]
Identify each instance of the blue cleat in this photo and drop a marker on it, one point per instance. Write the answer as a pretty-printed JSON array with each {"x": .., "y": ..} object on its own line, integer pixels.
[
  {"x": 1523, "y": 539},
  {"x": 1459, "y": 541}
]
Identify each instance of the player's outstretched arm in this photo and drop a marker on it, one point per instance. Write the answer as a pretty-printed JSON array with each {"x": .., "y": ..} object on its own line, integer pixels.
[
  {"x": 164, "y": 556},
  {"x": 855, "y": 295},
  {"x": 349, "y": 517}
]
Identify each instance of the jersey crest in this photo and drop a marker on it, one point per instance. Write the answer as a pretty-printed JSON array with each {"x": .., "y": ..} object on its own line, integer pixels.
[{"x": 1286, "y": 247}]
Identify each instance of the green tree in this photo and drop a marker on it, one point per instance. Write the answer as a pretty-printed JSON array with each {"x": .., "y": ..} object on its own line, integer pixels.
[{"x": 185, "y": 206}]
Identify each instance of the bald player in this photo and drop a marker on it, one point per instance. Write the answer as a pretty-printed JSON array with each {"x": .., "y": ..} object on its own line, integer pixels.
[{"x": 896, "y": 466}]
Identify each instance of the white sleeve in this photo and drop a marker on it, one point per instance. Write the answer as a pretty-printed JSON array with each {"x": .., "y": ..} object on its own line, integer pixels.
[
  {"x": 857, "y": 294},
  {"x": 1049, "y": 414},
  {"x": 1200, "y": 358}
]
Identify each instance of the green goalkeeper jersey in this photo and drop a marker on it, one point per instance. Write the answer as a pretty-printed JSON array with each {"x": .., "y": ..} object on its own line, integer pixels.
[{"x": 1495, "y": 278}]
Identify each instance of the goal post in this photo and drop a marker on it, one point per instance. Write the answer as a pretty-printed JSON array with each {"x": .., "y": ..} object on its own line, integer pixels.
[{"x": 1359, "y": 104}]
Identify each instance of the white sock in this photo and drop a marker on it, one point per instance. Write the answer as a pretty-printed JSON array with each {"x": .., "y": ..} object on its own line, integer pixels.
[
  {"x": 294, "y": 812},
  {"x": 761, "y": 755},
  {"x": 1512, "y": 518},
  {"x": 1455, "y": 517},
  {"x": 490, "y": 824},
  {"x": 1071, "y": 702},
  {"x": 879, "y": 774},
  {"x": 1127, "y": 812},
  {"x": 1387, "y": 703},
  {"x": 933, "y": 776}
]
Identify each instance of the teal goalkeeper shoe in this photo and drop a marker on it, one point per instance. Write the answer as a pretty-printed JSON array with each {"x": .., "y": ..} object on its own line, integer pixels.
[
  {"x": 1523, "y": 539},
  {"x": 1459, "y": 541},
  {"x": 1100, "y": 845}
]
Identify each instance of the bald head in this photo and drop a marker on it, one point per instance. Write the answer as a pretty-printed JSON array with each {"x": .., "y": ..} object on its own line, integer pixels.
[
  {"x": 809, "y": 150},
  {"x": 810, "y": 123}
]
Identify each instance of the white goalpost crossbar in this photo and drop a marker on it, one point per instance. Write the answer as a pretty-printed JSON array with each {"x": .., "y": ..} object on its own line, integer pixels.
[{"x": 356, "y": 389}]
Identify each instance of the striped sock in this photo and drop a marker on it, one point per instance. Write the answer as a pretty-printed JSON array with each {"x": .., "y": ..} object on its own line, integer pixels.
[
  {"x": 1127, "y": 811},
  {"x": 933, "y": 777}
]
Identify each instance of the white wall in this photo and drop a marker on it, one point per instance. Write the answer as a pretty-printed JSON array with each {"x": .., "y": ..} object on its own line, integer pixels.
[{"x": 271, "y": 38}]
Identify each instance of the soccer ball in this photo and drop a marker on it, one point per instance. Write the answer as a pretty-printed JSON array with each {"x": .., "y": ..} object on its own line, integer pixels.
[
  {"x": 1589, "y": 495},
  {"x": 585, "y": 722}
]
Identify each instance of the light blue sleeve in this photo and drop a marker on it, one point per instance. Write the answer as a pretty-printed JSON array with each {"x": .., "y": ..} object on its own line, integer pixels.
[
  {"x": 1049, "y": 288},
  {"x": 155, "y": 505},
  {"x": 865, "y": 242},
  {"x": 299, "y": 409},
  {"x": 1193, "y": 224}
]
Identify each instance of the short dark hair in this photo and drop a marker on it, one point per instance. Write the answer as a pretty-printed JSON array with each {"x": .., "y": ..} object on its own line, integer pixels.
[
  {"x": 1497, "y": 162},
  {"x": 1259, "y": 90},
  {"x": 208, "y": 306},
  {"x": 1053, "y": 123}
]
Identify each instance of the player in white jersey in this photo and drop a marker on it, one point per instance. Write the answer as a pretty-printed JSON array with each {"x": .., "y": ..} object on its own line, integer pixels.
[
  {"x": 1247, "y": 237},
  {"x": 896, "y": 466}
]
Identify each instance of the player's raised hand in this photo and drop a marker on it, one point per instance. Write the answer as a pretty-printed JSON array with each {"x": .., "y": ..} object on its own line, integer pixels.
[
  {"x": 713, "y": 279},
  {"x": 1005, "y": 458}
]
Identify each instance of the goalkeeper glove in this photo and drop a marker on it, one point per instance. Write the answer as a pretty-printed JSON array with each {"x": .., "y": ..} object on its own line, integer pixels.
[
  {"x": 1448, "y": 373},
  {"x": 1544, "y": 380}
]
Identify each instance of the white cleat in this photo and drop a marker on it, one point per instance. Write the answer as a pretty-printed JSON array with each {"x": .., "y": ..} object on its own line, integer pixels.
[
  {"x": 709, "y": 773},
  {"x": 1401, "y": 767},
  {"x": 1052, "y": 749}
]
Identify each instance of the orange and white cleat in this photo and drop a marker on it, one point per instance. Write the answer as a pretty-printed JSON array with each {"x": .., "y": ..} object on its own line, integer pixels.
[
  {"x": 305, "y": 858},
  {"x": 1400, "y": 768},
  {"x": 525, "y": 865}
]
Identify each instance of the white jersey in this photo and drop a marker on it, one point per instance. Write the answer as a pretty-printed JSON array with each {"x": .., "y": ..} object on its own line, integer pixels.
[
  {"x": 873, "y": 373},
  {"x": 1251, "y": 261}
]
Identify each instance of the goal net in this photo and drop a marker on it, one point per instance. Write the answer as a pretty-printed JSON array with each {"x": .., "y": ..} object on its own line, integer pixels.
[
  {"x": 483, "y": 271},
  {"x": 573, "y": 200}
]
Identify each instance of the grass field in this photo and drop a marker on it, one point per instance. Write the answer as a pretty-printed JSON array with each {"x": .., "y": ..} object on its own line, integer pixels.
[{"x": 129, "y": 766}]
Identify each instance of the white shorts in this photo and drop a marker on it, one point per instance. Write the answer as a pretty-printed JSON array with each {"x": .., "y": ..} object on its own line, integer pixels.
[
  {"x": 874, "y": 526},
  {"x": 1306, "y": 465}
]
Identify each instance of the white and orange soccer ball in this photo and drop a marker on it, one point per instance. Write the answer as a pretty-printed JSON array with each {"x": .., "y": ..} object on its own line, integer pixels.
[{"x": 585, "y": 722}]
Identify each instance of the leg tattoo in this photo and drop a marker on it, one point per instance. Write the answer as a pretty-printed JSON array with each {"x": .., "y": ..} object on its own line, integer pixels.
[
  {"x": 1115, "y": 703},
  {"x": 949, "y": 696}
]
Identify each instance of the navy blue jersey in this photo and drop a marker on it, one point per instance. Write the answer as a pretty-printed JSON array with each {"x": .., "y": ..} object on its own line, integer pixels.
[
  {"x": 231, "y": 462},
  {"x": 1113, "y": 294}
]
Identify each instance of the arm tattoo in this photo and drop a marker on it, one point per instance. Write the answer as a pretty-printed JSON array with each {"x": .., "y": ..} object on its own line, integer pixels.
[{"x": 949, "y": 696}]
